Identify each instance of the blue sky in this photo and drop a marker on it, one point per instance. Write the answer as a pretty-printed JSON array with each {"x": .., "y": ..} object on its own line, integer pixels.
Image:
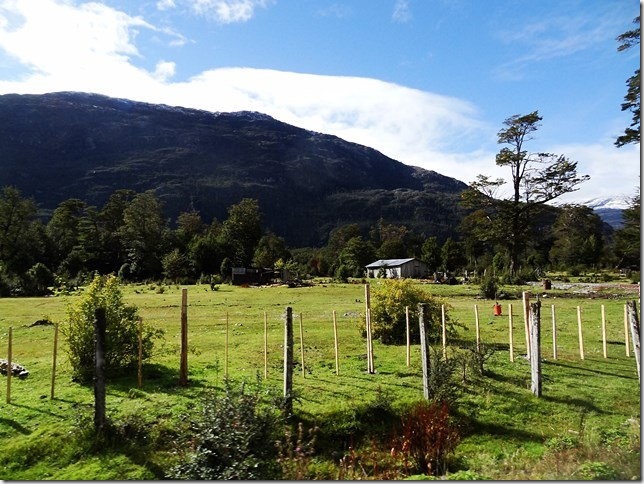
[{"x": 427, "y": 82}]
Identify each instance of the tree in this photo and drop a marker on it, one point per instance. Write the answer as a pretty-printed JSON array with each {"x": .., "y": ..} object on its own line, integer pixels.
[
  {"x": 355, "y": 255},
  {"x": 270, "y": 249},
  {"x": 175, "y": 265},
  {"x": 242, "y": 230},
  {"x": 631, "y": 102},
  {"x": 627, "y": 238},
  {"x": 63, "y": 230},
  {"x": 431, "y": 253},
  {"x": 537, "y": 178},
  {"x": 452, "y": 255},
  {"x": 113, "y": 251},
  {"x": 189, "y": 226},
  {"x": 143, "y": 234},
  {"x": 578, "y": 237},
  {"x": 207, "y": 251},
  {"x": 17, "y": 230}
]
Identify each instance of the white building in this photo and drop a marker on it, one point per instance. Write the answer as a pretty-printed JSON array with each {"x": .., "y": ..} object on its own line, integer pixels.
[{"x": 398, "y": 268}]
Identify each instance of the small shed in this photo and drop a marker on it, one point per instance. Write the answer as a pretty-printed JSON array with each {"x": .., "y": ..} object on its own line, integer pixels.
[{"x": 398, "y": 268}]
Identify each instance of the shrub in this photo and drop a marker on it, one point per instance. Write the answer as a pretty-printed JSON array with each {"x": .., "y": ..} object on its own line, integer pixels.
[
  {"x": 233, "y": 439},
  {"x": 121, "y": 332},
  {"x": 342, "y": 273},
  {"x": 489, "y": 287},
  {"x": 429, "y": 436},
  {"x": 388, "y": 319},
  {"x": 596, "y": 471}
]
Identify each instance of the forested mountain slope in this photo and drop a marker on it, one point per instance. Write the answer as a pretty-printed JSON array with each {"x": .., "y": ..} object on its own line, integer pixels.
[{"x": 76, "y": 145}]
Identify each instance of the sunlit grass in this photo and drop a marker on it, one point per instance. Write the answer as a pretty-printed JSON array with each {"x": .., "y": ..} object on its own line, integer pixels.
[{"x": 505, "y": 428}]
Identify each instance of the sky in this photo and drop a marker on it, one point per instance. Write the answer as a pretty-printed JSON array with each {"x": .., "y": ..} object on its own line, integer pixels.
[{"x": 426, "y": 82}]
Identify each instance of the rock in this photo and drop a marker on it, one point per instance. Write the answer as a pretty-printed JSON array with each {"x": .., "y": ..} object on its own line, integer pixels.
[{"x": 16, "y": 369}]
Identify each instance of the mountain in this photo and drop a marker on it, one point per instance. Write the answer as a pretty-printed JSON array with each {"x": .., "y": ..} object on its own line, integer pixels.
[
  {"x": 609, "y": 209},
  {"x": 77, "y": 145}
]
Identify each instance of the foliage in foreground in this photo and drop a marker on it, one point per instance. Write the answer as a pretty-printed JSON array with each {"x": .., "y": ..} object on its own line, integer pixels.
[
  {"x": 234, "y": 438},
  {"x": 121, "y": 334}
]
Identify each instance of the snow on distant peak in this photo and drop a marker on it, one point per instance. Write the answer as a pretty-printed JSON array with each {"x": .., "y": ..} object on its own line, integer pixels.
[{"x": 619, "y": 202}]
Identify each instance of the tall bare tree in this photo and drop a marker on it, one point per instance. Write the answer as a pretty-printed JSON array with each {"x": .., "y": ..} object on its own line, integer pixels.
[{"x": 536, "y": 178}]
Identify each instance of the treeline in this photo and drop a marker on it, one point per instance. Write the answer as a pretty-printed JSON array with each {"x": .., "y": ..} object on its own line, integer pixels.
[{"x": 130, "y": 236}]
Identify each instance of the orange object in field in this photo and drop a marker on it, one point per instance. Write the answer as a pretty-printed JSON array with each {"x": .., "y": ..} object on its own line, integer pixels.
[{"x": 497, "y": 309}]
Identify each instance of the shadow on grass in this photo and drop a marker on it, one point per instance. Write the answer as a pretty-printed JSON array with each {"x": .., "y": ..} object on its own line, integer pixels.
[
  {"x": 472, "y": 426},
  {"x": 558, "y": 363},
  {"x": 14, "y": 425},
  {"x": 157, "y": 378}
]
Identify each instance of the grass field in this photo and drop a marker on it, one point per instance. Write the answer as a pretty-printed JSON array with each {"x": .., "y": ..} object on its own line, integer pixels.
[{"x": 586, "y": 424}]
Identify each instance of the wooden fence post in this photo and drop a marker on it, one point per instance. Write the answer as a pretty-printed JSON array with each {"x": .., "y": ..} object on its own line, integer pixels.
[
  {"x": 183, "y": 364},
  {"x": 302, "y": 346},
  {"x": 99, "y": 368},
  {"x": 53, "y": 365},
  {"x": 335, "y": 340},
  {"x": 265, "y": 346},
  {"x": 478, "y": 328},
  {"x": 288, "y": 362},
  {"x": 139, "y": 379},
  {"x": 604, "y": 331},
  {"x": 526, "y": 321},
  {"x": 634, "y": 324},
  {"x": 408, "y": 354},
  {"x": 626, "y": 343},
  {"x": 511, "y": 336},
  {"x": 444, "y": 331},
  {"x": 535, "y": 350},
  {"x": 226, "y": 348},
  {"x": 581, "y": 335},
  {"x": 423, "y": 322},
  {"x": 554, "y": 333},
  {"x": 9, "y": 355},
  {"x": 367, "y": 299}
]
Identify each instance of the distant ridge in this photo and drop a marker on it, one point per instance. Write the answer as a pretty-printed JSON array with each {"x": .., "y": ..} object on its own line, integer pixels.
[{"x": 79, "y": 145}]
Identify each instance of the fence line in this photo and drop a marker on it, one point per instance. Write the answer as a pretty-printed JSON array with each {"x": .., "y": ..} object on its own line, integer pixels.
[{"x": 184, "y": 325}]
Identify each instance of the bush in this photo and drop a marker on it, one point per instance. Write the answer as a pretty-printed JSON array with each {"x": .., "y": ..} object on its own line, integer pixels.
[
  {"x": 388, "y": 319},
  {"x": 342, "y": 273},
  {"x": 233, "y": 439},
  {"x": 596, "y": 471},
  {"x": 429, "y": 436},
  {"x": 489, "y": 287},
  {"x": 121, "y": 333}
]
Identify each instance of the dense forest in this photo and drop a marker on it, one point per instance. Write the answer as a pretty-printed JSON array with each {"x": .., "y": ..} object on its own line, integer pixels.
[{"x": 130, "y": 236}]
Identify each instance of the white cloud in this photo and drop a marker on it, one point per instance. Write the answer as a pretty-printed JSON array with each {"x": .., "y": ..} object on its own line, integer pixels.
[
  {"x": 52, "y": 36},
  {"x": 165, "y": 4},
  {"x": 402, "y": 12},
  {"x": 228, "y": 11},
  {"x": 613, "y": 171},
  {"x": 164, "y": 70},
  {"x": 559, "y": 36}
]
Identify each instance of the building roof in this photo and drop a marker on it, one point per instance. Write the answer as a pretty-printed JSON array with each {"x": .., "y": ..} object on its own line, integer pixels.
[{"x": 389, "y": 263}]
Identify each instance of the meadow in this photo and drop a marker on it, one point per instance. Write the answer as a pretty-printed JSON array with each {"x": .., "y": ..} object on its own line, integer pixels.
[{"x": 585, "y": 426}]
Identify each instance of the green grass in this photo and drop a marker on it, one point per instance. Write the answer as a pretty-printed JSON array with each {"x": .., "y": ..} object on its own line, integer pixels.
[{"x": 507, "y": 432}]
